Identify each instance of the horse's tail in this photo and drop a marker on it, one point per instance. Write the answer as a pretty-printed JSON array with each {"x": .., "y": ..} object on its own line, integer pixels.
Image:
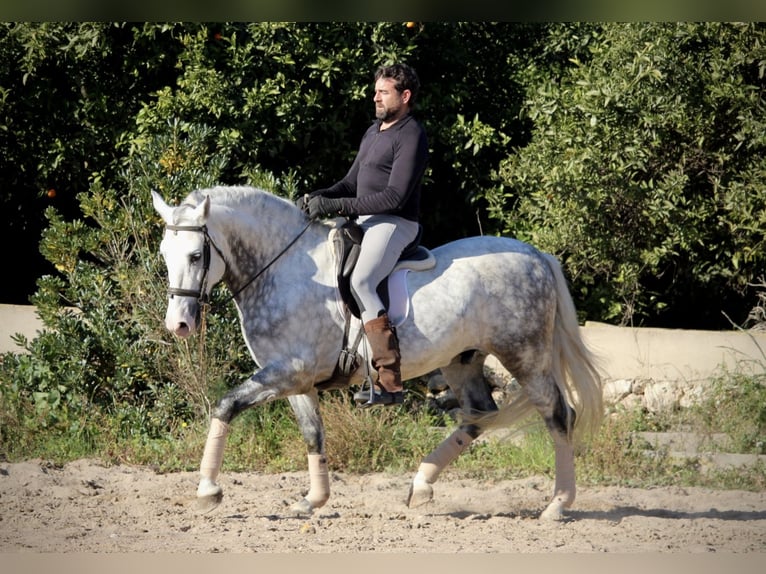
[{"x": 573, "y": 368}]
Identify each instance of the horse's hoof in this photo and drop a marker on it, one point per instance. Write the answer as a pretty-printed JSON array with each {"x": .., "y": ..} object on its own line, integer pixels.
[
  {"x": 209, "y": 502},
  {"x": 554, "y": 512},
  {"x": 420, "y": 494},
  {"x": 303, "y": 506}
]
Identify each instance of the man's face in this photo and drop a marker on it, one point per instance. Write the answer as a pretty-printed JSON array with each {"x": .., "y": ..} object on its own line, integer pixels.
[{"x": 389, "y": 103}]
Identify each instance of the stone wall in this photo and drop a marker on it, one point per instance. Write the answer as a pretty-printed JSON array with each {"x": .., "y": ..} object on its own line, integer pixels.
[
  {"x": 661, "y": 369},
  {"x": 15, "y": 319}
]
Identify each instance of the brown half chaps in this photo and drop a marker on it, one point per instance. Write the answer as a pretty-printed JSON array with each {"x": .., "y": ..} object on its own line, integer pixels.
[{"x": 385, "y": 352}]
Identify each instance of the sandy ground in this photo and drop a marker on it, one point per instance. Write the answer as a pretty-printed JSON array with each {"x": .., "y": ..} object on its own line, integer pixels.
[{"x": 87, "y": 507}]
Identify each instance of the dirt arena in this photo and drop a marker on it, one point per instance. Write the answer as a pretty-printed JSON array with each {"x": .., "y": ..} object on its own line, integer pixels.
[{"x": 88, "y": 507}]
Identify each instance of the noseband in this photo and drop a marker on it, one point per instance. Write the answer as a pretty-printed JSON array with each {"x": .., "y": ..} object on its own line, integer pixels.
[{"x": 200, "y": 295}]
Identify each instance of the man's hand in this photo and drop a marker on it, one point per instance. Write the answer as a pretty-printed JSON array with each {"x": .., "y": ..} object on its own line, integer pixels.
[
  {"x": 324, "y": 206},
  {"x": 302, "y": 203}
]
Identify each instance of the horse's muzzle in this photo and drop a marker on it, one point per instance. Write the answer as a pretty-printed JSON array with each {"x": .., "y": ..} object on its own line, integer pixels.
[
  {"x": 182, "y": 316},
  {"x": 181, "y": 330}
]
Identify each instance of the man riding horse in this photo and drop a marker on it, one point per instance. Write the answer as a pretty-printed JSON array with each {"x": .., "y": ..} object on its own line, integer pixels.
[{"x": 382, "y": 189}]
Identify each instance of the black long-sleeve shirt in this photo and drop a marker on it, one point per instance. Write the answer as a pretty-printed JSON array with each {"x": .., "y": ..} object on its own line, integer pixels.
[{"x": 387, "y": 173}]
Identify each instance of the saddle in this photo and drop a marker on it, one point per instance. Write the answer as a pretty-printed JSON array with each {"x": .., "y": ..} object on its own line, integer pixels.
[{"x": 346, "y": 242}]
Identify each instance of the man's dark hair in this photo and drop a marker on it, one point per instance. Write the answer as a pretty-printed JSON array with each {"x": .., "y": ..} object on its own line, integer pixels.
[{"x": 404, "y": 76}]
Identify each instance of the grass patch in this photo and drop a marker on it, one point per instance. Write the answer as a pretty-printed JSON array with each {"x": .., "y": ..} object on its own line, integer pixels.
[
  {"x": 735, "y": 406},
  {"x": 523, "y": 454},
  {"x": 390, "y": 439},
  {"x": 395, "y": 440}
]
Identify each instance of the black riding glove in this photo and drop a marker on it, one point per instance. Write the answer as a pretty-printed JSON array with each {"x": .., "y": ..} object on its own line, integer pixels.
[
  {"x": 302, "y": 202},
  {"x": 324, "y": 206}
]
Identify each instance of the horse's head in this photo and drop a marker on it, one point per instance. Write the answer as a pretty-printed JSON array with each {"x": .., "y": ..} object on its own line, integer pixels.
[{"x": 193, "y": 268}]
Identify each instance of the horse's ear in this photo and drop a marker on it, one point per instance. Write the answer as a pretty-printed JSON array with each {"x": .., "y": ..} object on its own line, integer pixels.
[
  {"x": 202, "y": 210},
  {"x": 161, "y": 207}
]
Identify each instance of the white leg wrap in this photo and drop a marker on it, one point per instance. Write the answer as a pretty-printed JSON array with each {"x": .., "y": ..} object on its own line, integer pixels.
[
  {"x": 212, "y": 457},
  {"x": 443, "y": 455},
  {"x": 319, "y": 480},
  {"x": 564, "y": 489}
]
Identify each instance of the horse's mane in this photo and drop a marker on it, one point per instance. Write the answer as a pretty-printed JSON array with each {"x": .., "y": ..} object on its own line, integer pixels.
[
  {"x": 229, "y": 196},
  {"x": 242, "y": 198}
]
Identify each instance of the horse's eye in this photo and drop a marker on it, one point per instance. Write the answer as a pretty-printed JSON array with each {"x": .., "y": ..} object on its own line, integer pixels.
[{"x": 195, "y": 257}]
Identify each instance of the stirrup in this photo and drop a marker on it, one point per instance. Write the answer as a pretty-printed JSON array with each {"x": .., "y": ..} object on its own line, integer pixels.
[{"x": 367, "y": 398}]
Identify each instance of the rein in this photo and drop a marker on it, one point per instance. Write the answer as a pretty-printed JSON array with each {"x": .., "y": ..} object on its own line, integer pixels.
[{"x": 202, "y": 297}]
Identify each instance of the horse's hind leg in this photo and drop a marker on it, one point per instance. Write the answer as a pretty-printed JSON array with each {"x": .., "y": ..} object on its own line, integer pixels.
[
  {"x": 306, "y": 409},
  {"x": 465, "y": 376},
  {"x": 559, "y": 419}
]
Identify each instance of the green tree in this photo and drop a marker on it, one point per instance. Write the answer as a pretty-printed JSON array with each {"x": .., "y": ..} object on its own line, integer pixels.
[
  {"x": 645, "y": 172},
  {"x": 68, "y": 93},
  {"x": 281, "y": 106},
  {"x": 289, "y": 98},
  {"x": 634, "y": 152},
  {"x": 470, "y": 107}
]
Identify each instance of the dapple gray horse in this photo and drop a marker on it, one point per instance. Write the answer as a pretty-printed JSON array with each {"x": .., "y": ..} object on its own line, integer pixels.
[{"x": 484, "y": 295}]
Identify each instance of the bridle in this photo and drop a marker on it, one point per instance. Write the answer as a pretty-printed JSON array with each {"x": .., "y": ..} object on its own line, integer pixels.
[{"x": 201, "y": 294}]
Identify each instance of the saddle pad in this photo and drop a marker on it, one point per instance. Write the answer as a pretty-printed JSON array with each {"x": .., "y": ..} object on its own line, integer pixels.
[{"x": 399, "y": 298}]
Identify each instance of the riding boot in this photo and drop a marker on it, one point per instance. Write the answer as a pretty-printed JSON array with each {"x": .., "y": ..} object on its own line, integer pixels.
[{"x": 386, "y": 359}]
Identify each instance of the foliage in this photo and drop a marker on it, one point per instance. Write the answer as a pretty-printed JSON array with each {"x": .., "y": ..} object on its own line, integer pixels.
[
  {"x": 633, "y": 151},
  {"x": 107, "y": 352},
  {"x": 736, "y": 406},
  {"x": 68, "y": 94},
  {"x": 470, "y": 104},
  {"x": 270, "y": 104},
  {"x": 646, "y": 167}
]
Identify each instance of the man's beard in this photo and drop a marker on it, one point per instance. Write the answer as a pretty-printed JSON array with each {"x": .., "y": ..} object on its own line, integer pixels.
[{"x": 384, "y": 114}]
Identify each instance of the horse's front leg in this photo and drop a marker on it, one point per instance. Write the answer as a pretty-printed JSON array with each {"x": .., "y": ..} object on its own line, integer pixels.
[
  {"x": 268, "y": 384},
  {"x": 209, "y": 493},
  {"x": 306, "y": 409}
]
